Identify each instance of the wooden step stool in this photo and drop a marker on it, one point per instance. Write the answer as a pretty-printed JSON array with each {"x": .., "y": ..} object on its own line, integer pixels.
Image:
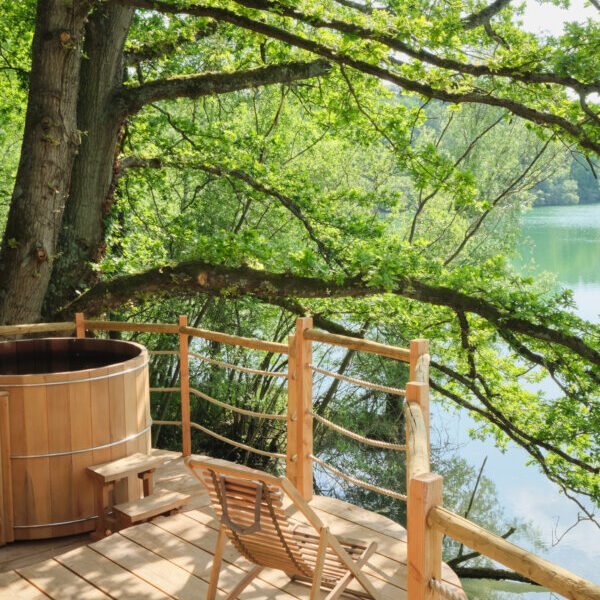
[
  {"x": 161, "y": 502},
  {"x": 108, "y": 474}
]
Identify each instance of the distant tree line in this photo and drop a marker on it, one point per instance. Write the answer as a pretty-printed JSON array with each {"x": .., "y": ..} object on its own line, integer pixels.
[{"x": 576, "y": 183}]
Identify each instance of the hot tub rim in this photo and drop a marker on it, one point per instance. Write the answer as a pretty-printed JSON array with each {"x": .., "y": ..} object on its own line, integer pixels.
[{"x": 37, "y": 379}]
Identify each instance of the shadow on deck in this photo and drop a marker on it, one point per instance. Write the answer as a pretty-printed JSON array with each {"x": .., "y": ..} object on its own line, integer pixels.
[{"x": 171, "y": 557}]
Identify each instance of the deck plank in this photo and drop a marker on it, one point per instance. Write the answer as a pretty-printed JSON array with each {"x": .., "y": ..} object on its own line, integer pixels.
[
  {"x": 197, "y": 561},
  {"x": 58, "y": 582},
  {"x": 187, "y": 529},
  {"x": 171, "y": 557},
  {"x": 392, "y": 558},
  {"x": 12, "y": 586},
  {"x": 106, "y": 575},
  {"x": 359, "y": 516},
  {"x": 159, "y": 572},
  {"x": 207, "y": 540}
]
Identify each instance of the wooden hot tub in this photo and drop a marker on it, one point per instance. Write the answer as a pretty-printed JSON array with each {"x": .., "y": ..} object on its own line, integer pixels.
[{"x": 70, "y": 403}]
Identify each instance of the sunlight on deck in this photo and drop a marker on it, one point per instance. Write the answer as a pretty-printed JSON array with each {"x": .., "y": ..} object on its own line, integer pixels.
[{"x": 172, "y": 556}]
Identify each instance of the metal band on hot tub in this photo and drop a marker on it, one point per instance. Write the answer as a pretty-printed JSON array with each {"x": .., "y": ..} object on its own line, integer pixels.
[
  {"x": 123, "y": 441},
  {"x": 44, "y": 384},
  {"x": 57, "y": 524}
]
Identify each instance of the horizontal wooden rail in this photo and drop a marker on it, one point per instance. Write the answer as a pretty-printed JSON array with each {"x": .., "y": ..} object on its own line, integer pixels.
[
  {"x": 136, "y": 327},
  {"x": 316, "y": 335},
  {"x": 416, "y": 441},
  {"x": 235, "y": 340},
  {"x": 36, "y": 328},
  {"x": 537, "y": 569}
]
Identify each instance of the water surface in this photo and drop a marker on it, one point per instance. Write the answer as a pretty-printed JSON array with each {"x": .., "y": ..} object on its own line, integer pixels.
[{"x": 564, "y": 240}]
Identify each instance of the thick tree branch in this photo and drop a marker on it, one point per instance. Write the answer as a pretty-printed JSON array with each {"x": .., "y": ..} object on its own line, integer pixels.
[
  {"x": 526, "y": 112},
  {"x": 196, "y": 276},
  {"x": 363, "y": 8},
  {"x": 398, "y": 45},
  {"x": 132, "y": 99}
]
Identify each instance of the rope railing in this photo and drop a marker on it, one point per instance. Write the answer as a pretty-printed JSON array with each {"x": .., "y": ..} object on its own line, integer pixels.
[
  {"x": 239, "y": 445},
  {"x": 446, "y": 590},
  {"x": 359, "y": 382},
  {"x": 227, "y": 365},
  {"x": 358, "y": 437},
  {"x": 237, "y": 409},
  {"x": 356, "y": 481},
  {"x": 427, "y": 519},
  {"x": 224, "y": 439}
]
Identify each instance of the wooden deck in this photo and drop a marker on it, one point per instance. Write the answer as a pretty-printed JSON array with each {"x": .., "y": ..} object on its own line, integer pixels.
[{"x": 171, "y": 557}]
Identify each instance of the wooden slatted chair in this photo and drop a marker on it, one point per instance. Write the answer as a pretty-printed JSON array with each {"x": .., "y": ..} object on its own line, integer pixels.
[{"x": 248, "y": 504}]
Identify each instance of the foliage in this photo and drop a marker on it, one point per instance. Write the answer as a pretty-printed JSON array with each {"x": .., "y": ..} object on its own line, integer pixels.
[
  {"x": 16, "y": 29},
  {"x": 402, "y": 172}
]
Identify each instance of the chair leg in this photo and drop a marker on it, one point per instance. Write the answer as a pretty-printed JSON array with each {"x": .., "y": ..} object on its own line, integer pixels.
[
  {"x": 244, "y": 583},
  {"x": 343, "y": 583},
  {"x": 320, "y": 562},
  {"x": 216, "y": 568}
]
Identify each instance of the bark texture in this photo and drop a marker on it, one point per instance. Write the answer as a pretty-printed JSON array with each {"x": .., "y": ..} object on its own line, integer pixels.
[
  {"x": 193, "y": 277},
  {"x": 50, "y": 143},
  {"x": 82, "y": 234}
]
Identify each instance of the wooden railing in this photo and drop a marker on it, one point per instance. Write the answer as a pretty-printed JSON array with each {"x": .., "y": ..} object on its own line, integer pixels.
[{"x": 428, "y": 521}]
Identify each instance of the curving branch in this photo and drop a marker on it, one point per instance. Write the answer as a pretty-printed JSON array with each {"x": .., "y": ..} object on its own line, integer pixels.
[
  {"x": 192, "y": 277},
  {"x": 392, "y": 42},
  {"x": 132, "y": 99},
  {"x": 529, "y": 444},
  {"x": 544, "y": 119}
]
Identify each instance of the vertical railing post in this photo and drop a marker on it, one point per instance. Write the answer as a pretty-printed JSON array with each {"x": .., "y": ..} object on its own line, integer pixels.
[
  {"x": 417, "y": 389},
  {"x": 80, "y": 325},
  {"x": 424, "y": 542},
  {"x": 184, "y": 385},
  {"x": 419, "y": 367},
  {"x": 300, "y": 421},
  {"x": 418, "y": 393},
  {"x": 424, "y": 489}
]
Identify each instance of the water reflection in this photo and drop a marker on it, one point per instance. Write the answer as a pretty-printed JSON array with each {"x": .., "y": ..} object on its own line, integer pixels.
[{"x": 564, "y": 240}]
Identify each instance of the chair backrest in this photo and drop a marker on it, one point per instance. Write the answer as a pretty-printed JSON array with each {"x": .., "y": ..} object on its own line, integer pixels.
[{"x": 249, "y": 504}]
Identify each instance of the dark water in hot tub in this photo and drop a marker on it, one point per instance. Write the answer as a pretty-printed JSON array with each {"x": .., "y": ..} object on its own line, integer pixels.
[{"x": 56, "y": 355}]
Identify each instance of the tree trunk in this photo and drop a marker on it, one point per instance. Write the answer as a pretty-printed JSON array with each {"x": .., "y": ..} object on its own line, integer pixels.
[
  {"x": 50, "y": 143},
  {"x": 82, "y": 233}
]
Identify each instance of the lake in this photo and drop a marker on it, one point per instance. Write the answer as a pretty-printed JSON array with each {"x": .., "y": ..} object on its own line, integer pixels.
[{"x": 564, "y": 240}]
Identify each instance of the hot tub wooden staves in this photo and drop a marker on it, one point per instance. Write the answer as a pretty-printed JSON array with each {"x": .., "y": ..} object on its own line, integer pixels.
[{"x": 66, "y": 404}]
